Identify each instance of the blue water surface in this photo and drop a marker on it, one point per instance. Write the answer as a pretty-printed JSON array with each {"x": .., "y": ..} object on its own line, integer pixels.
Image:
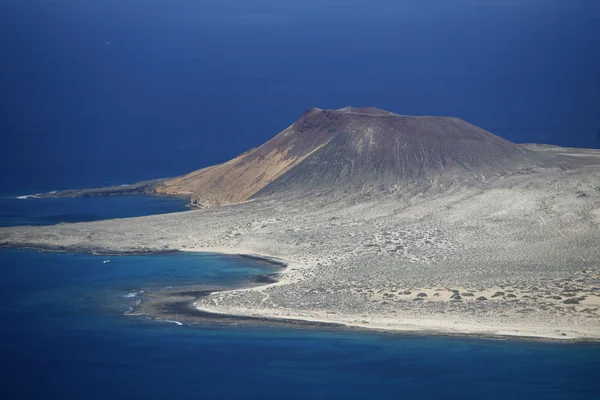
[
  {"x": 98, "y": 93},
  {"x": 14, "y": 211},
  {"x": 64, "y": 336},
  {"x": 106, "y": 92}
]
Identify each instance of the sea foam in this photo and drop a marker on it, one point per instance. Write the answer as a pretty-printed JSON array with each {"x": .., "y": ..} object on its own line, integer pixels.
[
  {"x": 29, "y": 196},
  {"x": 172, "y": 322}
]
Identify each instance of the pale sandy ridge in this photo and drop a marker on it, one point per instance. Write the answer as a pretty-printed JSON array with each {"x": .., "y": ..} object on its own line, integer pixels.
[
  {"x": 419, "y": 325},
  {"x": 424, "y": 324}
]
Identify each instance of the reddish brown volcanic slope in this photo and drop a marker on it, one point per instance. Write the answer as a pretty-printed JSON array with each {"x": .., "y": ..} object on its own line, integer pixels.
[
  {"x": 353, "y": 147},
  {"x": 238, "y": 179}
]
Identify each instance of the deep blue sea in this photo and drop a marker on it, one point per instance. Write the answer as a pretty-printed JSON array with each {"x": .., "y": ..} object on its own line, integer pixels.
[
  {"x": 100, "y": 92},
  {"x": 64, "y": 336},
  {"x": 14, "y": 211},
  {"x": 107, "y": 92}
]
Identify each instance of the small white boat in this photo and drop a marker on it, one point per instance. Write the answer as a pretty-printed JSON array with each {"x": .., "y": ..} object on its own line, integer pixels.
[{"x": 106, "y": 261}]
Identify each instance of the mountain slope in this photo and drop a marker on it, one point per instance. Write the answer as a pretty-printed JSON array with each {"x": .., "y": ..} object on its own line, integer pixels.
[
  {"x": 238, "y": 179},
  {"x": 355, "y": 147},
  {"x": 381, "y": 148}
]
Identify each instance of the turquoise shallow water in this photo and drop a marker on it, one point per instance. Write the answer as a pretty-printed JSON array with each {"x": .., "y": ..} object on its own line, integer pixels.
[{"x": 64, "y": 336}]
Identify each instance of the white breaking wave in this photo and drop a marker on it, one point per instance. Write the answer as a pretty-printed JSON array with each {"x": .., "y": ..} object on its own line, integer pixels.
[
  {"x": 133, "y": 294},
  {"x": 172, "y": 322}
]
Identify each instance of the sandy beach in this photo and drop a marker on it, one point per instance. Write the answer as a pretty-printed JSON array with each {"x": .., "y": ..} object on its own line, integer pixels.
[
  {"x": 418, "y": 325},
  {"x": 440, "y": 326}
]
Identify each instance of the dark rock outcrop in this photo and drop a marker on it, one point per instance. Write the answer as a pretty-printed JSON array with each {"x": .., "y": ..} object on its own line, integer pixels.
[{"x": 136, "y": 189}]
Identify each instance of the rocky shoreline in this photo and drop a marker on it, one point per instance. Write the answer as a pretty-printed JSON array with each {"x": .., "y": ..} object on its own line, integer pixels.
[
  {"x": 84, "y": 249},
  {"x": 144, "y": 188}
]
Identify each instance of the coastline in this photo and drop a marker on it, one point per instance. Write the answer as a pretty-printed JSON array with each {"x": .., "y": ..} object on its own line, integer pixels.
[
  {"x": 240, "y": 252},
  {"x": 97, "y": 251},
  {"x": 418, "y": 326},
  {"x": 425, "y": 327},
  {"x": 181, "y": 305}
]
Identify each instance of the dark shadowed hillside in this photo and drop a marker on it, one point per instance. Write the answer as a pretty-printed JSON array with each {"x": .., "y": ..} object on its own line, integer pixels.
[
  {"x": 356, "y": 150},
  {"x": 352, "y": 148},
  {"x": 375, "y": 147}
]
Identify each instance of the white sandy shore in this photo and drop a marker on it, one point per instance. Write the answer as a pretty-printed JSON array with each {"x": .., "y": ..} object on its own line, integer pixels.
[
  {"x": 420, "y": 325},
  {"x": 423, "y": 325},
  {"x": 287, "y": 275}
]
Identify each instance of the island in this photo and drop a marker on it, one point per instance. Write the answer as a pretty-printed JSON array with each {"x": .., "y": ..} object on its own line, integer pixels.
[{"x": 383, "y": 221}]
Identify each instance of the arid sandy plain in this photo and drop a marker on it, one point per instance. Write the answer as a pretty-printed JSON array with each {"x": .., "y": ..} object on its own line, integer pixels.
[{"x": 515, "y": 255}]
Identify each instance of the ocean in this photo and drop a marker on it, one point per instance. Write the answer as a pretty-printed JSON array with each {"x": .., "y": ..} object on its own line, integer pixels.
[
  {"x": 98, "y": 93},
  {"x": 14, "y": 211},
  {"x": 117, "y": 91},
  {"x": 64, "y": 335}
]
